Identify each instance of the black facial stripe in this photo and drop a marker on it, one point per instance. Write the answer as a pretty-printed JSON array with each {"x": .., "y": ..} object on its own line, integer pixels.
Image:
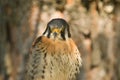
[
  {"x": 49, "y": 34},
  {"x": 63, "y": 35}
]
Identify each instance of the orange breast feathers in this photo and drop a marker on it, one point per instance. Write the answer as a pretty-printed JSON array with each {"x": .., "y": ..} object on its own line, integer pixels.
[{"x": 67, "y": 46}]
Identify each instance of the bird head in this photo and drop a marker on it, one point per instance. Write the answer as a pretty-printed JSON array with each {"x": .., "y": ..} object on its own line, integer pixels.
[{"x": 57, "y": 29}]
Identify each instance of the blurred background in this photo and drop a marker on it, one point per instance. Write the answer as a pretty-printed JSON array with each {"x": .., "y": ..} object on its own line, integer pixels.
[{"x": 95, "y": 28}]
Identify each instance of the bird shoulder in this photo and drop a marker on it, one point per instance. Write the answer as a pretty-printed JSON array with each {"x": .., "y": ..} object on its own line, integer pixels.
[{"x": 37, "y": 40}]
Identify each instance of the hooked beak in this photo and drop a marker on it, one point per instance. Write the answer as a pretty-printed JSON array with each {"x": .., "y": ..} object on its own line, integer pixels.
[{"x": 55, "y": 34}]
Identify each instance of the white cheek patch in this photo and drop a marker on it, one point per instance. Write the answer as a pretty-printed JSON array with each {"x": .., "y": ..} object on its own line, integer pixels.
[
  {"x": 52, "y": 36},
  {"x": 46, "y": 34},
  {"x": 66, "y": 34}
]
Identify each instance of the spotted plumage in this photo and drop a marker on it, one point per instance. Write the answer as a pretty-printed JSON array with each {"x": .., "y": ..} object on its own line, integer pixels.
[{"x": 54, "y": 55}]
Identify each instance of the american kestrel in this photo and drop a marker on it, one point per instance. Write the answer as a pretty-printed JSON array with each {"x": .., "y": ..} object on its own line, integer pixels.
[{"x": 54, "y": 55}]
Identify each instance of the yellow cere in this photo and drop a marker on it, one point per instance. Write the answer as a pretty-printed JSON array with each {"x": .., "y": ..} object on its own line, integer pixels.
[{"x": 57, "y": 30}]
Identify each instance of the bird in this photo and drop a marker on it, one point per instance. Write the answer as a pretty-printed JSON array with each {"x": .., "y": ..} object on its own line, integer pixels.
[{"x": 54, "y": 55}]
